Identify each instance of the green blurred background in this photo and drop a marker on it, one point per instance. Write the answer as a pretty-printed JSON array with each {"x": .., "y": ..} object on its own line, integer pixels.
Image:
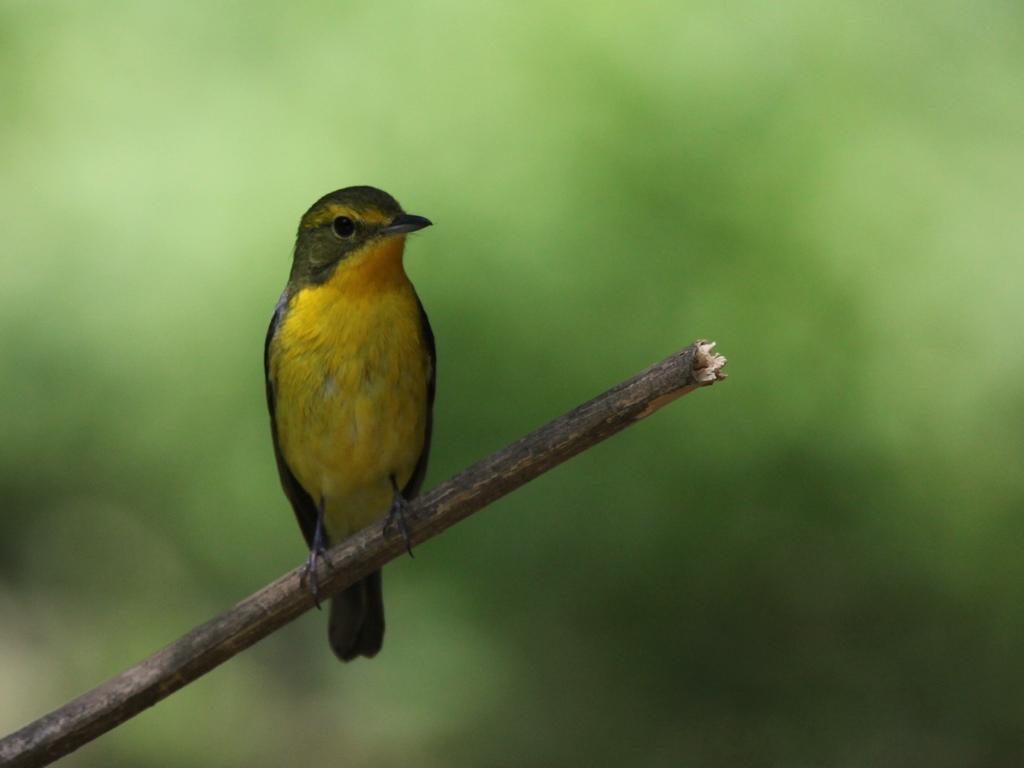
[{"x": 815, "y": 563}]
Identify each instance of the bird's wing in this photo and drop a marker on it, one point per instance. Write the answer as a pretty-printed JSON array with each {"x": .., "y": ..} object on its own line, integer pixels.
[
  {"x": 412, "y": 488},
  {"x": 302, "y": 502}
]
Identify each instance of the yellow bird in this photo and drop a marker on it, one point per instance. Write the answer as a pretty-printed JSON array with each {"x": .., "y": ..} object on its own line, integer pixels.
[{"x": 349, "y": 362}]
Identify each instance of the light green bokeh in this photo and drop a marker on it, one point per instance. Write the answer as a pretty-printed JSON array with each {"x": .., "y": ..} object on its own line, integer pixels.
[{"x": 814, "y": 563}]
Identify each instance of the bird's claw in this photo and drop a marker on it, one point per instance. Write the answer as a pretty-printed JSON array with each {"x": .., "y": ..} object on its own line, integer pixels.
[
  {"x": 316, "y": 552},
  {"x": 400, "y": 507}
]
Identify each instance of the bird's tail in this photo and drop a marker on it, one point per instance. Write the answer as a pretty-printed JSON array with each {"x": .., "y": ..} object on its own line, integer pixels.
[{"x": 356, "y": 624}]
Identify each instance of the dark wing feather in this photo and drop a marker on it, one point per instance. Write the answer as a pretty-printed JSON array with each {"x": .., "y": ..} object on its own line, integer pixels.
[
  {"x": 412, "y": 488},
  {"x": 302, "y": 502}
]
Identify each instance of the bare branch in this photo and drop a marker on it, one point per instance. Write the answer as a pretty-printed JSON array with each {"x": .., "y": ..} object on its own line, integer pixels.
[{"x": 209, "y": 645}]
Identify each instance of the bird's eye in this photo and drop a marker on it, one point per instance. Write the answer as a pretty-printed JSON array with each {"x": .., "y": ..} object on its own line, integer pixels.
[{"x": 344, "y": 226}]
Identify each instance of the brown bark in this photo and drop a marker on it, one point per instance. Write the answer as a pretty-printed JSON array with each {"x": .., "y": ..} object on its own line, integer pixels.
[{"x": 213, "y": 643}]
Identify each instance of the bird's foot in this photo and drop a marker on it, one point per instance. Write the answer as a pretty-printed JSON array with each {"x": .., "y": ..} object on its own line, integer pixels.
[
  {"x": 396, "y": 518},
  {"x": 316, "y": 552}
]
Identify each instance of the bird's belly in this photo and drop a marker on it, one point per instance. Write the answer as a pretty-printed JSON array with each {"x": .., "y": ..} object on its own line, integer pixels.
[
  {"x": 362, "y": 443},
  {"x": 351, "y": 447},
  {"x": 350, "y": 418}
]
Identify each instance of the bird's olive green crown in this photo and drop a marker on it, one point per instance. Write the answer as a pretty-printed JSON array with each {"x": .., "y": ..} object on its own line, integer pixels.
[{"x": 341, "y": 224}]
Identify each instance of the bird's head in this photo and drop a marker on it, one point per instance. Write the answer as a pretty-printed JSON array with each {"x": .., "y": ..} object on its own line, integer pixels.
[{"x": 348, "y": 227}]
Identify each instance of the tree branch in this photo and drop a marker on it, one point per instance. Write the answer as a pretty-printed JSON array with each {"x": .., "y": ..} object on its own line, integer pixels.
[{"x": 209, "y": 645}]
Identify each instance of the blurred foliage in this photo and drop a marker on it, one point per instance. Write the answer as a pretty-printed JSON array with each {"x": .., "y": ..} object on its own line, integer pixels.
[{"x": 814, "y": 563}]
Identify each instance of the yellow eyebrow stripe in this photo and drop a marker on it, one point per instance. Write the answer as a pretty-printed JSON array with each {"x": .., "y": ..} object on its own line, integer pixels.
[{"x": 331, "y": 211}]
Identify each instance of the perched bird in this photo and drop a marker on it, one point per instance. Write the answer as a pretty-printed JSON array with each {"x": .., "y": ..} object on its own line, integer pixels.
[{"x": 349, "y": 361}]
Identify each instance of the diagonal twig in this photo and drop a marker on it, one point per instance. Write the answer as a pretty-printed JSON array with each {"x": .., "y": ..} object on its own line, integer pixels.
[{"x": 213, "y": 643}]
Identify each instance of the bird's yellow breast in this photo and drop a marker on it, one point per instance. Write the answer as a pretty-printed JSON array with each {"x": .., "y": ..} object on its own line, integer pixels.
[{"x": 349, "y": 368}]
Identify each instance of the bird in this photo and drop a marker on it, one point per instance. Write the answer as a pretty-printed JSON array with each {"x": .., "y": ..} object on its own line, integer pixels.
[{"x": 350, "y": 373}]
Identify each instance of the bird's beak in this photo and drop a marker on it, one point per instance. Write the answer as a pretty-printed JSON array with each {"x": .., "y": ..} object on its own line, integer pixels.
[{"x": 405, "y": 223}]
